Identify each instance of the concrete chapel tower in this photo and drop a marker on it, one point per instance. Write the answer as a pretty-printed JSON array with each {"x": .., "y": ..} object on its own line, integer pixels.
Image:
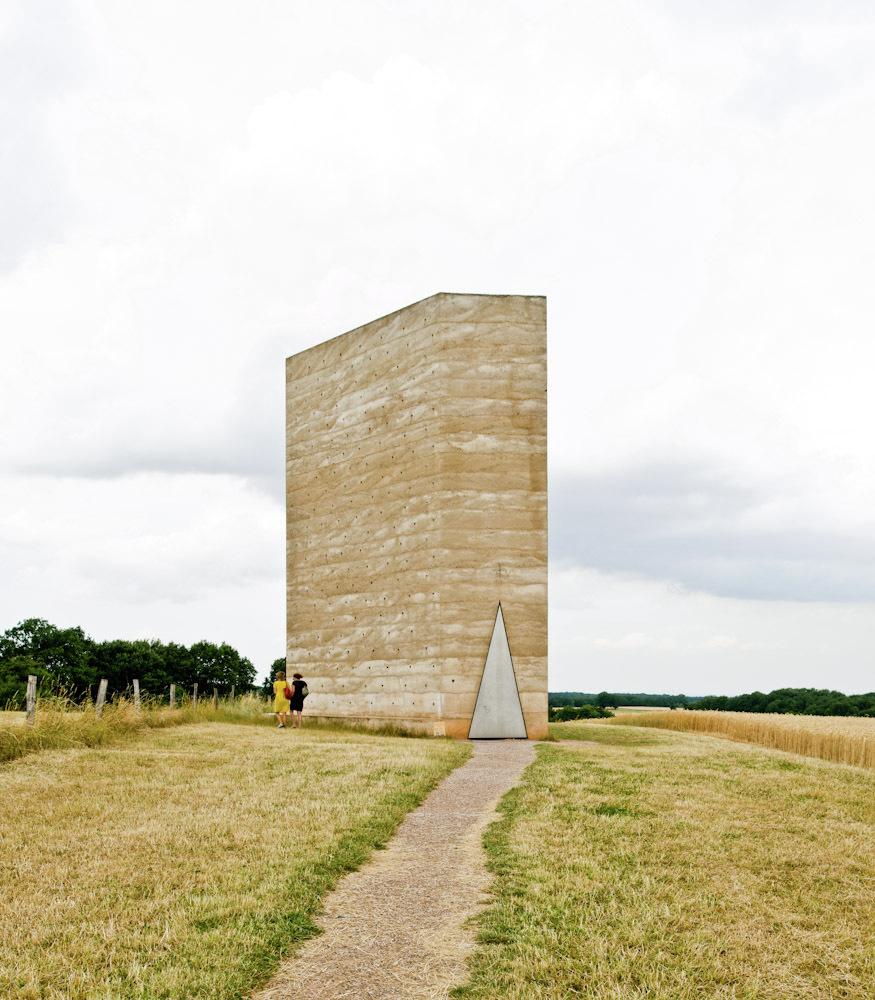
[{"x": 416, "y": 499}]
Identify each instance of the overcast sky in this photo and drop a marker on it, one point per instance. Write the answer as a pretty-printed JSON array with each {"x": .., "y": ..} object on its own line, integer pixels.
[{"x": 189, "y": 192}]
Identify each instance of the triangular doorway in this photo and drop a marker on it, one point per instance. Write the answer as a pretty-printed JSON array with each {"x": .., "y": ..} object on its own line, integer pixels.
[{"x": 498, "y": 714}]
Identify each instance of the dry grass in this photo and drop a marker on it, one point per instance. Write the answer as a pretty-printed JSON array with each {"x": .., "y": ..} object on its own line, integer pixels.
[
  {"x": 60, "y": 724},
  {"x": 835, "y": 738},
  {"x": 638, "y": 864},
  {"x": 185, "y": 864},
  {"x": 397, "y": 928}
]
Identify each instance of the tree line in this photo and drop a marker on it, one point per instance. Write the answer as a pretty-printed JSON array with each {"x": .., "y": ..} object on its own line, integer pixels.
[
  {"x": 67, "y": 661},
  {"x": 613, "y": 699},
  {"x": 794, "y": 701},
  {"x": 783, "y": 701}
]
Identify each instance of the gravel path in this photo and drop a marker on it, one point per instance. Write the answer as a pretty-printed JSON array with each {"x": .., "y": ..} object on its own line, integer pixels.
[{"x": 394, "y": 929}]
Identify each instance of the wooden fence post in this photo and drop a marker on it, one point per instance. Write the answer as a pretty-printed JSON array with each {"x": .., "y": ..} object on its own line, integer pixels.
[
  {"x": 101, "y": 697},
  {"x": 31, "y": 699},
  {"x": 194, "y": 696},
  {"x": 232, "y": 692},
  {"x": 173, "y": 696},
  {"x": 137, "y": 703},
  {"x": 215, "y": 697}
]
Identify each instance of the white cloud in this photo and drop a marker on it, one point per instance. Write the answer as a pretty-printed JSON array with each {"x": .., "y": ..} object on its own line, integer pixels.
[
  {"x": 699, "y": 643},
  {"x": 729, "y": 642},
  {"x": 193, "y": 192},
  {"x": 143, "y": 536},
  {"x": 708, "y": 527},
  {"x": 161, "y": 552},
  {"x": 636, "y": 640}
]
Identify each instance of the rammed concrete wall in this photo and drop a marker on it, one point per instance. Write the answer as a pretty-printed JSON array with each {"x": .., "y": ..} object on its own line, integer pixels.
[{"x": 416, "y": 491}]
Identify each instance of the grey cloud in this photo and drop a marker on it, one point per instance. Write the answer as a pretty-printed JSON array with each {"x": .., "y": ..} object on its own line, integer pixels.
[
  {"x": 247, "y": 440},
  {"x": 254, "y": 453},
  {"x": 689, "y": 524}
]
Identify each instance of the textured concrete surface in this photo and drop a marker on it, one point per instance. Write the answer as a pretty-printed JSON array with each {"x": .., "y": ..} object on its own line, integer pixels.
[
  {"x": 417, "y": 501},
  {"x": 395, "y": 929}
]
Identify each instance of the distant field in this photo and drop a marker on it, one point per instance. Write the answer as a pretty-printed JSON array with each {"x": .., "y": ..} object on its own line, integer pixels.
[
  {"x": 836, "y": 738},
  {"x": 184, "y": 863},
  {"x": 641, "y": 863}
]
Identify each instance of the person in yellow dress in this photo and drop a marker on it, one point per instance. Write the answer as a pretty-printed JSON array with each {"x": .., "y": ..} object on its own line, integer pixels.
[{"x": 280, "y": 702}]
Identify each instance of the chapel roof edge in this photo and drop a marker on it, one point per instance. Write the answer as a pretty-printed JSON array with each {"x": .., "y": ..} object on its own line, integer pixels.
[{"x": 413, "y": 305}]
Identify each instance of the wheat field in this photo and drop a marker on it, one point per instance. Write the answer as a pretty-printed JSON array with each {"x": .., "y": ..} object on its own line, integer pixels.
[{"x": 836, "y": 738}]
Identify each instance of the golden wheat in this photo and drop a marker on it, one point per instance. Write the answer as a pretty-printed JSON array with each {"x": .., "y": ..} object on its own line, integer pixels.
[{"x": 836, "y": 738}]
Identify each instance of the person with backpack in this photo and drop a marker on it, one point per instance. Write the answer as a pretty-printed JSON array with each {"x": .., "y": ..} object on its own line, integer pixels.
[
  {"x": 299, "y": 692},
  {"x": 281, "y": 694}
]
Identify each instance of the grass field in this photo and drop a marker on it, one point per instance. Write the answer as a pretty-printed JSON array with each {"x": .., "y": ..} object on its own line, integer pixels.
[
  {"x": 636, "y": 863},
  {"x": 837, "y": 738},
  {"x": 184, "y": 863},
  {"x": 60, "y": 725}
]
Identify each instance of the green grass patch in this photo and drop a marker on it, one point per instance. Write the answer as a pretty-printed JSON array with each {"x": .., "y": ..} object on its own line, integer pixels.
[
  {"x": 599, "y": 732},
  {"x": 612, "y": 809},
  {"x": 671, "y": 871}
]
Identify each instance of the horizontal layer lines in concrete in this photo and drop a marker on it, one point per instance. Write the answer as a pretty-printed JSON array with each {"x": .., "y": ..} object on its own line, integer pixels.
[{"x": 417, "y": 502}]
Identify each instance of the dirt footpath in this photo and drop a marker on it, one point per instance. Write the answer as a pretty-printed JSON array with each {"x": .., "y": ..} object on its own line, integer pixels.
[{"x": 394, "y": 928}]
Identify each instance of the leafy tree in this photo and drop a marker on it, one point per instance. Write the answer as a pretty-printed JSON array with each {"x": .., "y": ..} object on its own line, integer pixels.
[
  {"x": 564, "y": 713},
  {"x": 221, "y": 667},
  {"x": 615, "y": 699},
  {"x": 68, "y": 661},
  {"x": 266, "y": 688},
  {"x": 120, "y": 661},
  {"x": 798, "y": 701},
  {"x": 13, "y": 679},
  {"x": 59, "y": 657},
  {"x": 794, "y": 701}
]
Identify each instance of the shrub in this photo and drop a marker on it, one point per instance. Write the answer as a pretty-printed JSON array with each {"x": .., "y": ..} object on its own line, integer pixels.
[{"x": 567, "y": 713}]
